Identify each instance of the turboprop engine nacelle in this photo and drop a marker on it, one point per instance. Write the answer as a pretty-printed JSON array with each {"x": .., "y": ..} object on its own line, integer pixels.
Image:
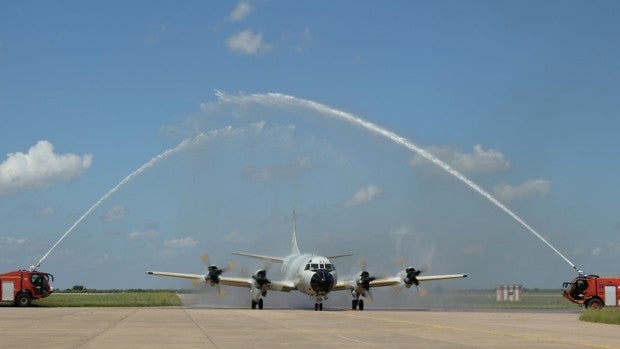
[
  {"x": 260, "y": 281},
  {"x": 410, "y": 276}
]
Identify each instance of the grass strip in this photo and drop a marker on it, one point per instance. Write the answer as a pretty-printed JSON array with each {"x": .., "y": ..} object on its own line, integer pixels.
[
  {"x": 133, "y": 299},
  {"x": 605, "y": 316}
]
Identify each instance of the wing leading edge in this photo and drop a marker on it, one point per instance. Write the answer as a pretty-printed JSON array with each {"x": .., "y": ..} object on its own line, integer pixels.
[
  {"x": 394, "y": 281},
  {"x": 280, "y": 286}
]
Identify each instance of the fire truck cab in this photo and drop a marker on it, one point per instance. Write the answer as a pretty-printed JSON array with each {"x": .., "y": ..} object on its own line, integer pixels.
[
  {"x": 593, "y": 291},
  {"x": 22, "y": 286}
]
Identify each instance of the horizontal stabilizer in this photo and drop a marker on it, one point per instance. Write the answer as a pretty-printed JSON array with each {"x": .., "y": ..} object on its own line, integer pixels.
[
  {"x": 341, "y": 255},
  {"x": 258, "y": 256}
]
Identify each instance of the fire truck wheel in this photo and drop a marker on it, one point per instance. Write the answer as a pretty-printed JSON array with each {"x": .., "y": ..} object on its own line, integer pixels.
[
  {"x": 22, "y": 300},
  {"x": 594, "y": 303}
]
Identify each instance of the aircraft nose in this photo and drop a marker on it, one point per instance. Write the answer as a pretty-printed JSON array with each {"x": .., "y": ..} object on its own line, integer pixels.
[{"x": 322, "y": 282}]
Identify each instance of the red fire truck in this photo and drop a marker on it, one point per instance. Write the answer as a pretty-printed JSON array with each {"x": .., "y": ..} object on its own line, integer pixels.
[
  {"x": 593, "y": 291},
  {"x": 22, "y": 286}
]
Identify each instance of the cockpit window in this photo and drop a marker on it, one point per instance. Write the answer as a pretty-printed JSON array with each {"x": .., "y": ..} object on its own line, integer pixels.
[
  {"x": 307, "y": 267},
  {"x": 314, "y": 266},
  {"x": 328, "y": 266}
]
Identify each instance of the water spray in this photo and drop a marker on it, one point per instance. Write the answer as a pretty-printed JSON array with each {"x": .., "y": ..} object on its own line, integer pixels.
[
  {"x": 281, "y": 100},
  {"x": 200, "y": 138}
]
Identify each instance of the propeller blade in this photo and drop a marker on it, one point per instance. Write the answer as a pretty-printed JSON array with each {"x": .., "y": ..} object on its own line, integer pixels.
[
  {"x": 205, "y": 258},
  {"x": 362, "y": 263},
  {"x": 230, "y": 266}
]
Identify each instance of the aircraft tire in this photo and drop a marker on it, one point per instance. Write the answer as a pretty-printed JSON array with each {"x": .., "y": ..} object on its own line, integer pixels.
[
  {"x": 360, "y": 304},
  {"x": 260, "y": 303},
  {"x": 354, "y": 304},
  {"x": 253, "y": 304}
]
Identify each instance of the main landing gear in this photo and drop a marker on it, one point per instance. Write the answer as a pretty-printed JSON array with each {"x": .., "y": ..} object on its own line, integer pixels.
[
  {"x": 357, "y": 303},
  {"x": 259, "y": 304},
  {"x": 318, "y": 306}
]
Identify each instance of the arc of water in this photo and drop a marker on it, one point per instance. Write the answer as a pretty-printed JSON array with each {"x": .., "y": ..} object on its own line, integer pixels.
[
  {"x": 281, "y": 100},
  {"x": 200, "y": 138}
]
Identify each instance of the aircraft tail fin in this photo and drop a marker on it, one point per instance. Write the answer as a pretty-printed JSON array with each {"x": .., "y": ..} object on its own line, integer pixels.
[{"x": 294, "y": 246}]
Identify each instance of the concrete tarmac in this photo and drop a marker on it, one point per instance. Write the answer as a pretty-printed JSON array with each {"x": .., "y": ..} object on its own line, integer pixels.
[{"x": 180, "y": 327}]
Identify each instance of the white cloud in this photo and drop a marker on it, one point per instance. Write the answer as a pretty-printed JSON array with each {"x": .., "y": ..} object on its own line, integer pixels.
[
  {"x": 39, "y": 167},
  {"x": 304, "y": 39},
  {"x": 154, "y": 32},
  {"x": 115, "y": 213},
  {"x": 278, "y": 172},
  {"x": 480, "y": 160},
  {"x": 240, "y": 12},
  {"x": 532, "y": 187},
  {"x": 237, "y": 238},
  {"x": 11, "y": 241},
  {"x": 364, "y": 195},
  {"x": 107, "y": 259},
  {"x": 186, "y": 242},
  {"x": 142, "y": 235},
  {"x": 247, "y": 43},
  {"x": 46, "y": 212}
]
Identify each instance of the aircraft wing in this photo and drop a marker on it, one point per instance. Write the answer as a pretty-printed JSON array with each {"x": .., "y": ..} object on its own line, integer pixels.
[
  {"x": 441, "y": 277},
  {"x": 393, "y": 281},
  {"x": 280, "y": 286},
  {"x": 177, "y": 275}
]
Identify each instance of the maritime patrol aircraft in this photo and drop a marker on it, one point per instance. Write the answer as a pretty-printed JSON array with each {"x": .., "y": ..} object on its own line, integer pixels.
[{"x": 311, "y": 274}]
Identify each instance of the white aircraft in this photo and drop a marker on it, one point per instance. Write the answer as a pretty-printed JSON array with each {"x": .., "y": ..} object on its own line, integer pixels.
[{"x": 309, "y": 273}]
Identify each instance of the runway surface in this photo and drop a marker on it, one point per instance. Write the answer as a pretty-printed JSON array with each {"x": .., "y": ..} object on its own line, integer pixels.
[{"x": 179, "y": 327}]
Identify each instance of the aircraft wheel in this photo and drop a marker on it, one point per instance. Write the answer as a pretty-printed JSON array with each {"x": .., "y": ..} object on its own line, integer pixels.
[
  {"x": 260, "y": 303},
  {"x": 321, "y": 306},
  {"x": 253, "y": 305},
  {"x": 354, "y": 304},
  {"x": 360, "y": 304}
]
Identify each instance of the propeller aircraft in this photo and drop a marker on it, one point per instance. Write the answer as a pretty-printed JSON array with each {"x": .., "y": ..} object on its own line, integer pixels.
[{"x": 308, "y": 273}]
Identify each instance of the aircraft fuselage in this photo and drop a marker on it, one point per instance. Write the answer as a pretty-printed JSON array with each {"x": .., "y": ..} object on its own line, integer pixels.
[{"x": 313, "y": 275}]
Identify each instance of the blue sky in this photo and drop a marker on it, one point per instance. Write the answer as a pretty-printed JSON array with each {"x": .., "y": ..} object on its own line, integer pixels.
[{"x": 519, "y": 96}]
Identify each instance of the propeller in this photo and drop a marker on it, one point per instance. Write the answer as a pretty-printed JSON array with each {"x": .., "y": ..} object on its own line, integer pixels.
[
  {"x": 261, "y": 278},
  {"x": 410, "y": 275},
  {"x": 212, "y": 277},
  {"x": 364, "y": 280}
]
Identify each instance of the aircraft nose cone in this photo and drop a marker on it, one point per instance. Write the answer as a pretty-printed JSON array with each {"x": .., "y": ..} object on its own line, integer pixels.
[{"x": 322, "y": 282}]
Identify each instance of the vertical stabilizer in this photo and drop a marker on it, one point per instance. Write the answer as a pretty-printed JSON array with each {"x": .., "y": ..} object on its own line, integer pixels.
[{"x": 294, "y": 247}]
